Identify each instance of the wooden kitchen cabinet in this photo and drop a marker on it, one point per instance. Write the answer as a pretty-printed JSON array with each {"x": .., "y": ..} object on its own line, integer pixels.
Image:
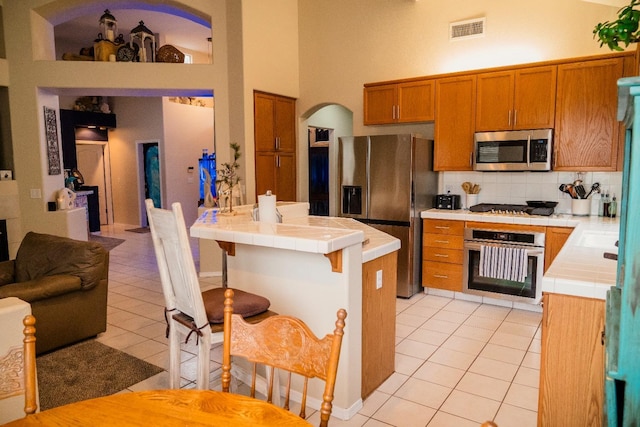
[
  {"x": 378, "y": 322},
  {"x": 571, "y": 389},
  {"x": 275, "y": 145},
  {"x": 555, "y": 238},
  {"x": 455, "y": 123},
  {"x": 587, "y": 134},
  {"x": 405, "y": 102},
  {"x": 516, "y": 99},
  {"x": 442, "y": 254}
]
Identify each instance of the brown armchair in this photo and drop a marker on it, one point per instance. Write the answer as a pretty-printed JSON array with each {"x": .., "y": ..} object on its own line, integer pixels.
[{"x": 65, "y": 281}]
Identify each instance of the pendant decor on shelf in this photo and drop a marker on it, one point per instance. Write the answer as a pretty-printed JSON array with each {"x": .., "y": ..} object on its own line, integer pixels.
[{"x": 144, "y": 39}]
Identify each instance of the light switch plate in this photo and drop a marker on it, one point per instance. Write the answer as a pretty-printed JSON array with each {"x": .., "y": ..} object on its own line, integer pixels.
[{"x": 6, "y": 175}]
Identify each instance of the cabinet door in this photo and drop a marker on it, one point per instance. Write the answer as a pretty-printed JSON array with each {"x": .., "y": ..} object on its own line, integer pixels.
[
  {"x": 264, "y": 126},
  {"x": 266, "y": 173},
  {"x": 494, "y": 104},
  {"x": 415, "y": 101},
  {"x": 571, "y": 362},
  {"x": 555, "y": 239},
  {"x": 380, "y": 104},
  {"x": 534, "y": 101},
  {"x": 285, "y": 167},
  {"x": 455, "y": 123},
  {"x": 587, "y": 132},
  {"x": 285, "y": 124}
]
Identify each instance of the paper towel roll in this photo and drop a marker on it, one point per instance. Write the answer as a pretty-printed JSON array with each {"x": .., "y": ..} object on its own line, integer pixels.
[{"x": 267, "y": 208}]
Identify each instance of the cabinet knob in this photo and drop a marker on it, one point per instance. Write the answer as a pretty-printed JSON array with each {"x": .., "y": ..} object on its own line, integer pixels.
[
  {"x": 440, "y": 276},
  {"x": 446, "y": 242}
]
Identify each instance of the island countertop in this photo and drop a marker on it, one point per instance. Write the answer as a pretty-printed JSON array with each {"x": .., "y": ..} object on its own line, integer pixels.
[{"x": 315, "y": 234}]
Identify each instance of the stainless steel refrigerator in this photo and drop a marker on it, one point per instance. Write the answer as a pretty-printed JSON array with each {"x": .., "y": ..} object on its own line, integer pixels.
[{"x": 385, "y": 182}]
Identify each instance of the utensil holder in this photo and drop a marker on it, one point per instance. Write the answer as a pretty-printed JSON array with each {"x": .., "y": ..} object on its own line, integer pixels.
[
  {"x": 471, "y": 200},
  {"x": 581, "y": 207}
]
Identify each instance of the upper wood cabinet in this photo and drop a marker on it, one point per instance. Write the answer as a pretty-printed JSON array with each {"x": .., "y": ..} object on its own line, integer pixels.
[
  {"x": 516, "y": 99},
  {"x": 454, "y": 124},
  {"x": 274, "y": 118},
  {"x": 587, "y": 133},
  {"x": 275, "y": 145},
  {"x": 399, "y": 102}
]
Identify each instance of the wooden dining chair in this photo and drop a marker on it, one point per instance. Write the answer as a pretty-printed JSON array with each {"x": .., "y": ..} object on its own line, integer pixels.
[
  {"x": 284, "y": 343},
  {"x": 190, "y": 312},
  {"x": 18, "y": 374}
]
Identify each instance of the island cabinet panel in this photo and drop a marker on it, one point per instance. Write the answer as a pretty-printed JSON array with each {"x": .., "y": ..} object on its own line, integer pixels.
[
  {"x": 587, "y": 133},
  {"x": 442, "y": 254},
  {"x": 378, "y": 322},
  {"x": 516, "y": 99},
  {"x": 571, "y": 389},
  {"x": 454, "y": 123},
  {"x": 406, "y": 102},
  {"x": 555, "y": 238},
  {"x": 275, "y": 145}
]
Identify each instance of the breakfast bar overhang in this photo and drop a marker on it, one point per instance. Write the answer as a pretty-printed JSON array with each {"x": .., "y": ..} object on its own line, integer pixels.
[{"x": 310, "y": 267}]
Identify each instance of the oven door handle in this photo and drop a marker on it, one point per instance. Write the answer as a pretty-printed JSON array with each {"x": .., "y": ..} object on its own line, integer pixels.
[{"x": 533, "y": 251}]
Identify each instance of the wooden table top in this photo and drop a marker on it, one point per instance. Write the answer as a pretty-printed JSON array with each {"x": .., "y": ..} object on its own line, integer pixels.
[{"x": 166, "y": 408}]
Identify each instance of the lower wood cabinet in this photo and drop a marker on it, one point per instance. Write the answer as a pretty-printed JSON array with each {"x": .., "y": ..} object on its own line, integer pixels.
[
  {"x": 555, "y": 238},
  {"x": 442, "y": 254},
  {"x": 378, "y": 322},
  {"x": 572, "y": 362}
]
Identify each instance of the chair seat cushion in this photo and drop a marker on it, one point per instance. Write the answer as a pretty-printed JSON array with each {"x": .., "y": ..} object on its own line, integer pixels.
[{"x": 244, "y": 303}]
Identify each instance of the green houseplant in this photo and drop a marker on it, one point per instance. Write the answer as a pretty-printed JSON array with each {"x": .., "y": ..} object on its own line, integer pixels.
[
  {"x": 228, "y": 177},
  {"x": 622, "y": 30}
]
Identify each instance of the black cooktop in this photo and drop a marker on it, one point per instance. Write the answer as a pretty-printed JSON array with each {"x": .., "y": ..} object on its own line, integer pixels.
[{"x": 511, "y": 209}]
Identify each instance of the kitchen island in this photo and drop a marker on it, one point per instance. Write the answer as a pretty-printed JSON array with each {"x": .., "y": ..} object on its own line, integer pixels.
[{"x": 310, "y": 267}]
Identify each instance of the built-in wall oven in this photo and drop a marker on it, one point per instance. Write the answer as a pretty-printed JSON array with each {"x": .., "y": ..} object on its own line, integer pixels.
[{"x": 504, "y": 264}]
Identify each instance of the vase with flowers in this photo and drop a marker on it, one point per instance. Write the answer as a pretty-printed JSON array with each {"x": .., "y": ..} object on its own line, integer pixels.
[{"x": 228, "y": 178}]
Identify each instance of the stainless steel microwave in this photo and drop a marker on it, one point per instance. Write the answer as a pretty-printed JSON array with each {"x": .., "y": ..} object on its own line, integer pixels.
[{"x": 519, "y": 150}]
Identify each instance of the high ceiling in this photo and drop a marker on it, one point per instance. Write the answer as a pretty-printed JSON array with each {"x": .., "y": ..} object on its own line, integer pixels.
[{"x": 176, "y": 30}]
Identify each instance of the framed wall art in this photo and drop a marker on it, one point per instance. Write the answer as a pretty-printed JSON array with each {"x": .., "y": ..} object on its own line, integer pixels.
[{"x": 51, "y": 134}]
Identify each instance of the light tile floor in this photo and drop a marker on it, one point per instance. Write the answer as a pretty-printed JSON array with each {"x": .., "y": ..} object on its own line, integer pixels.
[{"x": 458, "y": 363}]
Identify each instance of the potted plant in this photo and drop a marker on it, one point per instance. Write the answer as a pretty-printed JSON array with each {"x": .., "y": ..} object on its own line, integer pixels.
[
  {"x": 228, "y": 178},
  {"x": 622, "y": 30}
]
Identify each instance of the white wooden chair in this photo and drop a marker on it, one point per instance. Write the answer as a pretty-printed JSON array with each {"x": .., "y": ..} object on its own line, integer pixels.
[
  {"x": 18, "y": 387},
  {"x": 190, "y": 312},
  {"x": 285, "y": 343}
]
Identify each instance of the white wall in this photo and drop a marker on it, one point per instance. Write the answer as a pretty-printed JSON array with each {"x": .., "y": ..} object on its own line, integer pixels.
[{"x": 187, "y": 130}]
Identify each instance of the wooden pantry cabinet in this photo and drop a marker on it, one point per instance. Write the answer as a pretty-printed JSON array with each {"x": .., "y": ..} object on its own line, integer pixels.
[
  {"x": 516, "y": 99},
  {"x": 275, "y": 145},
  {"x": 571, "y": 389},
  {"x": 588, "y": 136},
  {"x": 405, "y": 102},
  {"x": 442, "y": 254},
  {"x": 455, "y": 123}
]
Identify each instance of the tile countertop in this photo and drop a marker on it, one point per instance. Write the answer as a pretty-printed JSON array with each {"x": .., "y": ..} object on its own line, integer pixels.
[
  {"x": 580, "y": 268},
  {"x": 315, "y": 234}
]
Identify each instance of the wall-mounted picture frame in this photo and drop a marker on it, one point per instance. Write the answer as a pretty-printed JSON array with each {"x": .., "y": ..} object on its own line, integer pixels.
[{"x": 51, "y": 134}]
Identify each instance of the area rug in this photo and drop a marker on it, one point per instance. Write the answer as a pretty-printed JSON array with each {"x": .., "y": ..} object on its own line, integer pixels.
[
  {"x": 108, "y": 242},
  {"x": 87, "y": 370},
  {"x": 139, "y": 230}
]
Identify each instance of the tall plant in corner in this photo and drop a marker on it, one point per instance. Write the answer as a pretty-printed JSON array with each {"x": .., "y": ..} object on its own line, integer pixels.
[
  {"x": 622, "y": 30},
  {"x": 228, "y": 176}
]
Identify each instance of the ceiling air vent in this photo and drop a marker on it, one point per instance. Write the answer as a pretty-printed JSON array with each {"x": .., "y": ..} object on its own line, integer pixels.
[{"x": 462, "y": 30}]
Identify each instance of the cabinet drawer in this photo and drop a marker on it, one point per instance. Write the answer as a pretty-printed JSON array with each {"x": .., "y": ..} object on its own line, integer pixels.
[
  {"x": 442, "y": 275},
  {"x": 443, "y": 241},
  {"x": 443, "y": 226},
  {"x": 451, "y": 256}
]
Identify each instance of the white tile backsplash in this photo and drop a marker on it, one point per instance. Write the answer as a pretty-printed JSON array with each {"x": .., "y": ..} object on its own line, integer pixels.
[{"x": 518, "y": 187}]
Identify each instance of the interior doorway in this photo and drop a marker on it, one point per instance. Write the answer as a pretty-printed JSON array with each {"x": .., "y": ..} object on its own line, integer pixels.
[
  {"x": 149, "y": 176},
  {"x": 93, "y": 163}
]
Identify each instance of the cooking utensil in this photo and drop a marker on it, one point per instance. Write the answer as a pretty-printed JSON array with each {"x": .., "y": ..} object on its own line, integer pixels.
[
  {"x": 580, "y": 191},
  {"x": 594, "y": 187},
  {"x": 466, "y": 186},
  {"x": 568, "y": 188},
  {"x": 541, "y": 204}
]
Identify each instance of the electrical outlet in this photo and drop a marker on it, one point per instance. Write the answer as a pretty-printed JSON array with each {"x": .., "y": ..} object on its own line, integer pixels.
[
  {"x": 448, "y": 188},
  {"x": 6, "y": 175},
  {"x": 378, "y": 279},
  {"x": 35, "y": 193}
]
